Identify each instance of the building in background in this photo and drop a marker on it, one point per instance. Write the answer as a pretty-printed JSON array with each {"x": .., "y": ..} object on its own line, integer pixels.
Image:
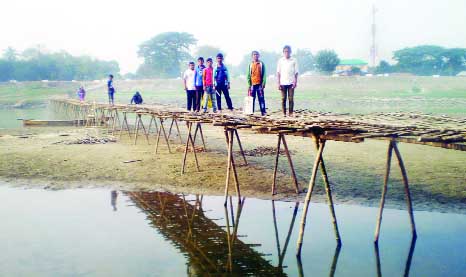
[{"x": 352, "y": 67}]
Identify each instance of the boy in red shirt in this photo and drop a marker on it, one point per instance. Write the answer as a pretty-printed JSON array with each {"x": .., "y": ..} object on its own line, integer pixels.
[{"x": 208, "y": 82}]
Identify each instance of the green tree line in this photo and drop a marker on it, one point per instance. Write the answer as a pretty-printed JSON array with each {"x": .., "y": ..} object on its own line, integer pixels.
[{"x": 35, "y": 64}]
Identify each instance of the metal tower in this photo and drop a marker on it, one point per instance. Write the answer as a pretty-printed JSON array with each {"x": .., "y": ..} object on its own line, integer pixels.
[{"x": 374, "y": 45}]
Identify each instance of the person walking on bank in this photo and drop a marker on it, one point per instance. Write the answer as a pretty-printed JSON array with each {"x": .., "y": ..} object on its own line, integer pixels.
[
  {"x": 256, "y": 81},
  {"x": 198, "y": 83},
  {"x": 287, "y": 77},
  {"x": 189, "y": 86},
  {"x": 111, "y": 90},
  {"x": 222, "y": 83},
  {"x": 208, "y": 82}
]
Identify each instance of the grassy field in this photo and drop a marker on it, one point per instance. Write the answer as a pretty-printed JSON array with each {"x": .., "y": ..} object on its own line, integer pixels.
[{"x": 445, "y": 95}]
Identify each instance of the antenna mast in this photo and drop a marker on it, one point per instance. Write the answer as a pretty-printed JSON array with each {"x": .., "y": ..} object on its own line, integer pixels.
[{"x": 374, "y": 45}]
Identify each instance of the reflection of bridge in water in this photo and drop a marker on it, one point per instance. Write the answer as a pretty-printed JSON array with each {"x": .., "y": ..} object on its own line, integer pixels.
[{"x": 210, "y": 249}]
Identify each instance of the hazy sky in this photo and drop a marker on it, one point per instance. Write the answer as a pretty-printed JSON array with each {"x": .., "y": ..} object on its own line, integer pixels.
[{"x": 114, "y": 29}]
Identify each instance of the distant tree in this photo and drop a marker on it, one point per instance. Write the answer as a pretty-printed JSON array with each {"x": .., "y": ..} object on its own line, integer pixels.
[
  {"x": 207, "y": 51},
  {"x": 270, "y": 60},
  {"x": 39, "y": 64},
  {"x": 383, "y": 67},
  {"x": 10, "y": 54},
  {"x": 454, "y": 61},
  {"x": 165, "y": 53},
  {"x": 305, "y": 60},
  {"x": 420, "y": 60},
  {"x": 327, "y": 60}
]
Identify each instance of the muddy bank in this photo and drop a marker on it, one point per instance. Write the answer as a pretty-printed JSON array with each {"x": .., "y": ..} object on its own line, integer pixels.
[{"x": 51, "y": 158}]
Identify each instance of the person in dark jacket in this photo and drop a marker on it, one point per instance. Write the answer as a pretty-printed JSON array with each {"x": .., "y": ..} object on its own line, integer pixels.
[
  {"x": 137, "y": 98},
  {"x": 222, "y": 83},
  {"x": 111, "y": 90}
]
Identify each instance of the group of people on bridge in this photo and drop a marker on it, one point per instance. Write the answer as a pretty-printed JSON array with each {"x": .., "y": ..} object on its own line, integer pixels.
[{"x": 205, "y": 84}]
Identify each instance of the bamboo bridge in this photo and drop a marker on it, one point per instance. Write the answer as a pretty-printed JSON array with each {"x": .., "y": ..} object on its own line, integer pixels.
[{"x": 437, "y": 131}]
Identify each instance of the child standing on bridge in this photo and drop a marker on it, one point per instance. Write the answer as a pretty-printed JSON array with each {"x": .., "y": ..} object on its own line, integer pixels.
[
  {"x": 222, "y": 83},
  {"x": 81, "y": 93},
  {"x": 111, "y": 90},
  {"x": 256, "y": 81},
  {"x": 208, "y": 82},
  {"x": 189, "y": 86},
  {"x": 198, "y": 83}
]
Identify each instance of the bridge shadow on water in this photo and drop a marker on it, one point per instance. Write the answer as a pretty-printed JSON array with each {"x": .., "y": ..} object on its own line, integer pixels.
[{"x": 214, "y": 247}]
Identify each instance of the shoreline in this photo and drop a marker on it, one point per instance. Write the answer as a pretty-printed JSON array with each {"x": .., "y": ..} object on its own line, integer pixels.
[{"x": 40, "y": 158}]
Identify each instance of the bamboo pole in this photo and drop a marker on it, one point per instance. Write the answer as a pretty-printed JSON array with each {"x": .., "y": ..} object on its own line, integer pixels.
[
  {"x": 162, "y": 130},
  {"x": 146, "y": 134},
  {"x": 328, "y": 192},
  {"x": 136, "y": 131},
  {"x": 406, "y": 186},
  {"x": 308, "y": 198},
  {"x": 240, "y": 146},
  {"x": 384, "y": 191},
  {"x": 229, "y": 138},
  {"x": 277, "y": 157},
  {"x": 293, "y": 173}
]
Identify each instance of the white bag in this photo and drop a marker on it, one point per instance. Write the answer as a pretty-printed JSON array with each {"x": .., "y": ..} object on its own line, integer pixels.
[{"x": 248, "y": 105}]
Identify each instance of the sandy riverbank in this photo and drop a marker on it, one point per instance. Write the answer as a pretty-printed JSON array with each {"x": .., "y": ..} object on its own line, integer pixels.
[{"x": 44, "y": 157}]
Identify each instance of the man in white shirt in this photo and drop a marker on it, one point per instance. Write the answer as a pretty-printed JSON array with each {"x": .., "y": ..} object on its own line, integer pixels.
[
  {"x": 287, "y": 77},
  {"x": 189, "y": 86}
]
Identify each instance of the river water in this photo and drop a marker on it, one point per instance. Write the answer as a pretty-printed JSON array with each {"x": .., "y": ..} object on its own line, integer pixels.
[{"x": 97, "y": 232}]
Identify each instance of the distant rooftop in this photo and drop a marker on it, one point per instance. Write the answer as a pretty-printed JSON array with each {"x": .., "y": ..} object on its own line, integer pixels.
[{"x": 353, "y": 62}]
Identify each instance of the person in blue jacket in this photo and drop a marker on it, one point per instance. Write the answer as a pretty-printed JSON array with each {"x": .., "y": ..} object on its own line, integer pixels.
[
  {"x": 222, "y": 83},
  {"x": 137, "y": 98},
  {"x": 111, "y": 90}
]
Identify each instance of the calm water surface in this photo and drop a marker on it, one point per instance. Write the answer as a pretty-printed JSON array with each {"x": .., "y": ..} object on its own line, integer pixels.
[{"x": 104, "y": 233}]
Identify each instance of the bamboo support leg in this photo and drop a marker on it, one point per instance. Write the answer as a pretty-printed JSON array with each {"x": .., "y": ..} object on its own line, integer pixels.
[
  {"x": 178, "y": 130},
  {"x": 146, "y": 134},
  {"x": 159, "y": 133},
  {"x": 384, "y": 191},
  {"x": 171, "y": 127},
  {"x": 202, "y": 136},
  {"x": 407, "y": 192},
  {"x": 277, "y": 158},
  {"x": 307, "y": 200},
  {"x": 186, "y": 148},
  {"x": 293, "y": 173},
  {"x": 189, "y": 141},
  {"x": 152, "y": 119},
  {"x": 165, "y": 135},
  {"x": 230, "y": 148},
  {"x": 240, "y": 146},
  {"x": 136, "y": 131},
  {"x": 328, "y": 191}
]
